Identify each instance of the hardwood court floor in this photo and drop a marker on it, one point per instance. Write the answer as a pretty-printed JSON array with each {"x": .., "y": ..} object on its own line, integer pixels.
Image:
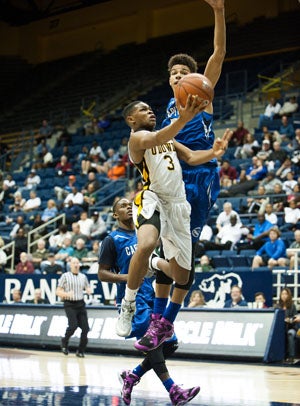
[{"x": 30, "y": 377}]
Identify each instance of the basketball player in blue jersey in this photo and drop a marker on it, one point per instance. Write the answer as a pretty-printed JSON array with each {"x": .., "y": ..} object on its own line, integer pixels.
[
  {"x": 202, "y": 182},
  {"x": 161, "y": 210},
  {"x": 115, "y": 254}
]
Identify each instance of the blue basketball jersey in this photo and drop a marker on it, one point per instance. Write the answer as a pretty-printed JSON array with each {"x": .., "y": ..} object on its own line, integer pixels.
[
  {"x": 116, "y": 251},
  {"x": 197, "y": 134}
]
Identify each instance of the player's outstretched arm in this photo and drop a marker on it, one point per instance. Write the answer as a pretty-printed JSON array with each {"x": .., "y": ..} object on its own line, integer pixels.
[
  {"x": 200, "y": 157},
  {"x": 214, "y": 64}
]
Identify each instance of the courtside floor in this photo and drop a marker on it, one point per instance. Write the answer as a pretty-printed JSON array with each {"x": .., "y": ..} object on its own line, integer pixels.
[{"x": 31, "y": 377}]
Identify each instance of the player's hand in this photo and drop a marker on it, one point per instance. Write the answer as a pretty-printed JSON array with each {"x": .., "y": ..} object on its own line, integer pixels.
[
  {"x": 216, "y": 4},
  {"x": 194, "y": 105},
  {"x": 221, "y": 144}
]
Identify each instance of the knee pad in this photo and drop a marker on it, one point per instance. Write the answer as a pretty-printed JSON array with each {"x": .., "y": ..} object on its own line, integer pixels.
[
  {"x": 190, "y": 282},
  {"x": 163, "y": 279}
]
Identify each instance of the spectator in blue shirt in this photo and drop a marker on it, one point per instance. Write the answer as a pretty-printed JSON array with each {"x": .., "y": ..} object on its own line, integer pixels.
[
  {"x": 257, "y": 170},
  {"x": 258, "y": 235},
  {"x": 236, "y": 298},
  {"x": 286, "y": 130},
  {"x": 272, "y": 253}
]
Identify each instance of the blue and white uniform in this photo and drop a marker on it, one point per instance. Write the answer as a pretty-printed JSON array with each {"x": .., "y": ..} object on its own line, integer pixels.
[
  {"x": 202, "y": 182},
  {"x": 116, "y": 251}
]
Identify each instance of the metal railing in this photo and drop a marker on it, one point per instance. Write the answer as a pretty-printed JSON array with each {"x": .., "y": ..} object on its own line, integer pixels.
[
  {"x": 286, "y": 279},
  {"x": 31, "y": 242},
  {"x": 10, "y": 248}
]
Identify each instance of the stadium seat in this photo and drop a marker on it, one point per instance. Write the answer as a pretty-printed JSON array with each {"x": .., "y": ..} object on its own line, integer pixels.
[{"x": 239, "y": 261}]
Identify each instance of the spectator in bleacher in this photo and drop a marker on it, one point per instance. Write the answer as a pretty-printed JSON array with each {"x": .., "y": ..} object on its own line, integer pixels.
[
  {"x": 272, "y": 253},
  {"x": 3, "y": 256},
  {"x": 46, "y": 130},
  {"x": 76, "y": 234},
  {"x": 103, "y": 122},
  {"x": 228, "y": 236},
  {"x": 269, "y": 182},
  {"x": 248, "y": 149},
  {"x": 294, "y": 244},
  {"x": 33, "y": 203},
  {"x": 16, "y": 225},
  {"x": 36, "y": 222},
  {"x": 294, "y": 145},
  {"x": 10, "y": 183},
  {"x": 65, "y": 252},
  {"x": 51, "y": 266},
  {"x": 271, "y": 111},
  {"x": 270, "y": 215},
  {"x": 89, "y": 197},
  {"x": 277, "y": 157},
  {"x": 62, "y": 192},
  {"x": 196, "y": 299},
  {"x": 228, "y": 174},
  {"x": 31, "y": 181},
  {"x": 18, "y": 204},
  {"x": 92, "y": 127},
  {"x": 291, "y": 215},
  {"x": 80, "y": 250},
  {"x": 72, "y": 212},
  {"x": 21, "y": 243},
  {"x": 123, "y": 148},
  {"x": 56, "y": 241},
  {"x": 284, "y": 169},
  {"x": 83, "y": 154},
  {"x": 85, "y": 224},
  {"x": 258, "y": 203},
  {"x": 289, "y": 107},
  {"x": 90, "y": 262},
  {"x": 99, "y": 229},
  {"x": 265, "y": 151},
  {"x": 205, "y": 236},
  {"x": 5, "y": 195},
  {"x": 64, "y": 138},
  {"x": 45, "y": 160},
  {"x": 95, "y": 157},
  {"x": 258, "y": 234},
  {"x": 25, "y": 266},
  {"x": 63, "y": 167},
  {"x": 117, "y": 171},
  {"x": 17, "y": 296},
  {"x": 205, "y": 264},
  {"x": 39, "y": 254},
  {"x": 113, "y": 158},
  {"x": 75, "y": 196},
  {"x": 286, "y": 303},
  {"x": 289, "y": 183},
  {"x": 238, "y": 135},
  {"x": 236, "y": 299},
  {"x": 260, "y": 300},
  {"x": 223, "y": 218},
  {"x": 257, "y": 171},
  {"x": 38, "y": 150},
  {"x": 92, "y": 179},
  {"x": 38, "y": 298},
  {"x": 286, "y": 130},
  {"x": 50, "y": 211}
]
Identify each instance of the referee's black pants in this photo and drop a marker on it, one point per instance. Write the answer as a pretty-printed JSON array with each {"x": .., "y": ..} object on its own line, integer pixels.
[{"x": 77, "y": 317}]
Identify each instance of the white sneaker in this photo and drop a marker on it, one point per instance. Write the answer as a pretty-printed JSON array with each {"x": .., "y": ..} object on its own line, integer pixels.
[
  {"x": 123, "y": 326},
  {"x": 151, "y": 270}
]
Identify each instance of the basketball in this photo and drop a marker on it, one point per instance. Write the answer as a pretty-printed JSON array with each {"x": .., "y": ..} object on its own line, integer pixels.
[{"x": 195, "y": 84}]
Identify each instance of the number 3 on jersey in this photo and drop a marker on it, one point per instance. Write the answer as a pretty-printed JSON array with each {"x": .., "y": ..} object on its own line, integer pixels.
[{"x": 170, "y": 166}]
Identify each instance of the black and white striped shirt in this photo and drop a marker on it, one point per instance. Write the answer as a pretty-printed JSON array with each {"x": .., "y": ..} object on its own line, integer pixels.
[{"x": 74, "y": 282}]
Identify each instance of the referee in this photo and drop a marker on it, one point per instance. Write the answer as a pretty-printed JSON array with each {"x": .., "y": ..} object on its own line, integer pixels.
[{"x": 70, "y": 289}]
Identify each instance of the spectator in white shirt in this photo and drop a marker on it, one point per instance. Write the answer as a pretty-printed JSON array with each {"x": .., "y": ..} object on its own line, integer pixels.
[
  {"x": 290, "y": 183},
  {"x": 99, "y": 229},
  {"x": 271, "y": 111},
  {"x": 289, "y": 107},
  {"x": 229, "y": 235},
  {"x": 75, "y": 196},
  {"x": 85, "y": 224},
  {"x": 291, "y": 215},
  {"x": 31, "y": 181},
  {"x": 33, "y": 203},
  {"x": 224, "y": 217},
  {"x": 269, "y": 215},
  {"x": 56, "y": 241}
]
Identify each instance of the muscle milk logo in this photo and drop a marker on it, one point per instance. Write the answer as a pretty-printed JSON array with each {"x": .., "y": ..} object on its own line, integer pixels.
[{"x": 218, "y": 286}]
